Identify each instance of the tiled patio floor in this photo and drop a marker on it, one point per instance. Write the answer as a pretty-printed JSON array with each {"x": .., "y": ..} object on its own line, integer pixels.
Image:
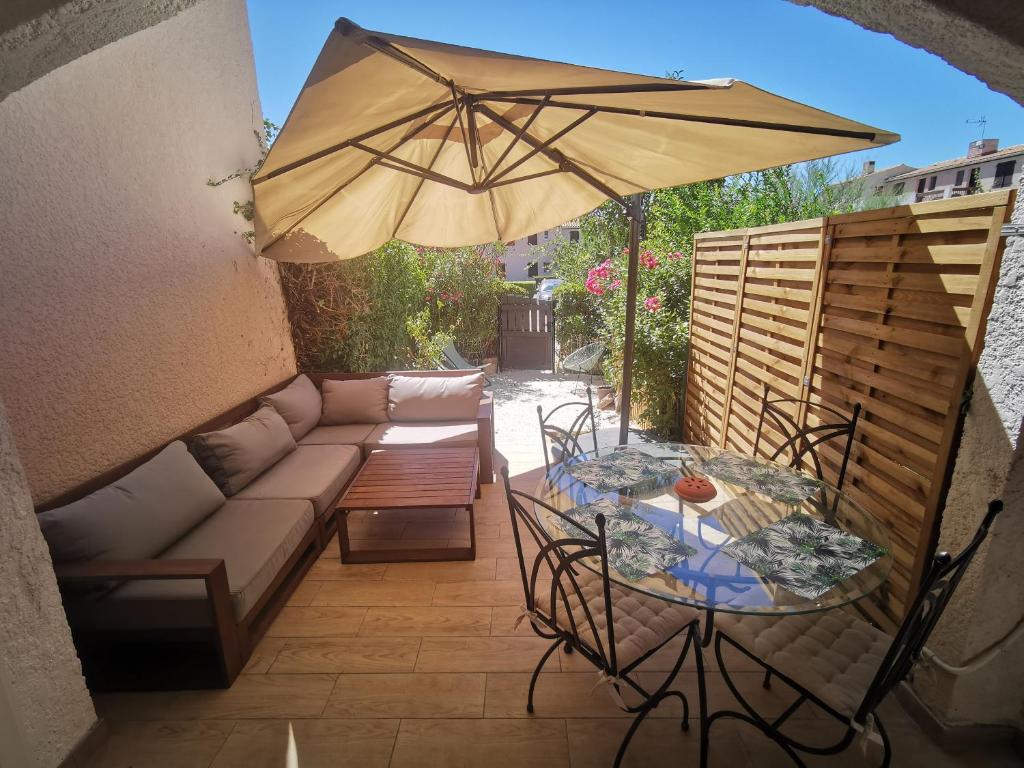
[{"x": 419, "y": 665}]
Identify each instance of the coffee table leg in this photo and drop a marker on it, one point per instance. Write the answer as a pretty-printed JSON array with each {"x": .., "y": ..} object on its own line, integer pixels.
[
  {"x": 472, "y": 533},
  {"x": 341, "y": 518}
]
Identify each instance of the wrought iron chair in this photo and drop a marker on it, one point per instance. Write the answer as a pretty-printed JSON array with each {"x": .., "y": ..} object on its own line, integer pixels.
[
  {"x": 614, "y": 628},
  {"x": 585, "y": 360},
  {"x": 841, "y": 664},
  {"x": 566, "y": 441},
  {"x": 803, "y": 441}
]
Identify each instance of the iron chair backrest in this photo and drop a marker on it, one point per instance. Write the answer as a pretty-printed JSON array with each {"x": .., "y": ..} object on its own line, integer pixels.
[
  {"x": 936, "y": 590},
  {"x": 567, "y": 440},
  {"x": 803, "y": 441},
  {"x": 558, "y": 558}
]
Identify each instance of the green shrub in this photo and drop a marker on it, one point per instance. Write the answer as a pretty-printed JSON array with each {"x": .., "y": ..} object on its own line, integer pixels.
[
  {"x": 463, "y": 290},
  {"x": 520, "y": 287}
]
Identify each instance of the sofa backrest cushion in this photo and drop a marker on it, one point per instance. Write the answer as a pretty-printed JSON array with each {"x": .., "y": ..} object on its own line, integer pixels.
[
  {"x": 235, "y": 456},
  {"x": 137, "y": 517},
  {"x": 355, "y": 401},
  {"x": 434, "y": 398},
  {"x": 299, "y": 405}
]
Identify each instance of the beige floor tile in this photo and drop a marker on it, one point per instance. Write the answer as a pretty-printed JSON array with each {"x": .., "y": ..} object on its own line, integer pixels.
[
  {"x": 481, "y": 654},
  {"x": 481, "y": 744},
  {"x": 402, "y": 544},
  {"x": 481, "y": 569},
  {"x": 317, "y": 621},
  {"x": 416, "y": 515},
  {"x": 347, "y": 654},
  {"x": 254, "y": 696},
  {"x": 479, "y": 593},
  {"x": 426, "y": 622},
  {"x": 508, "y": 568},
  {"x": 162, "y": 744},
  {"x": 594, "y": 744},
  {"x": 502, "y": 548},
  {"x": 311, "y": 744},
  {"x": 503, "y": 621},
  {"x": 450, "y": 529},
  {"x": 375, "y": 529},
  {"x": 407, "y": 695},
  {"x": 263, "y": 655},
  {"x": 382, "y": 593},
  {"x": 330, "y": 568},
  {"x": 124, "y": 707},
  {"x": 304, "y": 593},
  {"x": 560, "y": 695}
]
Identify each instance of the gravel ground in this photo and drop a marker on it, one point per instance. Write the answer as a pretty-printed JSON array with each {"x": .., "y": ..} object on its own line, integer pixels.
[{"x": 516, "y": 428}]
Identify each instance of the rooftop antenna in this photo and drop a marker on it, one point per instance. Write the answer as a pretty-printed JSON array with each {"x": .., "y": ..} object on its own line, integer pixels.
[{"x": 981, "y": 121}]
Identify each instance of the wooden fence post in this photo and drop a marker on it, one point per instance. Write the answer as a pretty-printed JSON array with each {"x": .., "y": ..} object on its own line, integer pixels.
[{"x": 744, "y": 252}]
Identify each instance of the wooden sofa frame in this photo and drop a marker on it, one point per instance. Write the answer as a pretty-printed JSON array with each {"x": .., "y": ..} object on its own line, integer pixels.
[{"x": 229, "y": 644}]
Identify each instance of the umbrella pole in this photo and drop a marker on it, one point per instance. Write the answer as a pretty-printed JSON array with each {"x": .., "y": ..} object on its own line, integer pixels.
[{"x": 635, "y": 212}]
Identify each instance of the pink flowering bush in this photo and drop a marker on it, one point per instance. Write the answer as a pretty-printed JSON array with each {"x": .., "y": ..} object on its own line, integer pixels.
[{"x": 652, "y": 303}]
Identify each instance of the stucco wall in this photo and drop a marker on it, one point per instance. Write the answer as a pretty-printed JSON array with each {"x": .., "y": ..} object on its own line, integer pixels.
[
  {"x": 990, "y": 464},
  {"x": 40, "y": 677},
  {"x": 131, "y": 310}
]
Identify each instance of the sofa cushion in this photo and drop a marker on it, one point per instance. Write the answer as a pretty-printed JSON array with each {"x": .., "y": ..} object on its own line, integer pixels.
[
  {"x": 233, "y": 457},
  {"x": 254, "y": 538},
  {"x": 344, "y": 434},
  {"x": 313, "y": 472},
  {"x": 419, "y": 434},
  {"x": 299, "y": 404},
  {"x": 434, "y": 398},
  {"x": 136, "y": 517},
  {"x": 355, "y": 401}
]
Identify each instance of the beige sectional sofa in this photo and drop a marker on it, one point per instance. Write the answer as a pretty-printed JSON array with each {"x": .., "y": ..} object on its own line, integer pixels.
[{"x": 173, "y": 566}]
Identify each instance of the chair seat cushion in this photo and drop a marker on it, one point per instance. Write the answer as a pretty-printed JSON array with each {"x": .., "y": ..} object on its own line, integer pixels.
[
  {"x": 254, "y": 538},
  {"x": 642, "y": 623},
  {"x": 398, "y": 434},
  {"x": 834, "y": 655},
  {"x": 313, "y": 472},
  {"x": 344, "y": 434}
]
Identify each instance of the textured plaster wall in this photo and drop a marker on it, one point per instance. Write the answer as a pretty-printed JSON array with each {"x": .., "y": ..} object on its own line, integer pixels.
[
  {"x": 40, "y": 676},
  {"x": 130, "y": 309},
  {"x": 969, "y": 45},
  {"x": 37, "y": 36},
  {"x": 990, "y": 464}
]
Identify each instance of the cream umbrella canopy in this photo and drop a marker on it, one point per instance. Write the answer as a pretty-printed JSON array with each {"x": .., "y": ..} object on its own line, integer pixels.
[{"x": 440, "y": 145}]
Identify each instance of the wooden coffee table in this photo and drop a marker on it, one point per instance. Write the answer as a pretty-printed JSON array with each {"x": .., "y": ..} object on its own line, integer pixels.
[{"x": 411, "y": 478}]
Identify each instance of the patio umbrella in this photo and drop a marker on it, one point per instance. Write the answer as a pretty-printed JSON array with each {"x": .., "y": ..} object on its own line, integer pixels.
[{"x": 441, "y": 145}]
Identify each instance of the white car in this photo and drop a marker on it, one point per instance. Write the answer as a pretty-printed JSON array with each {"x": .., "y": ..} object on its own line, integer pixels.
[{"x": 546, "y": 287}]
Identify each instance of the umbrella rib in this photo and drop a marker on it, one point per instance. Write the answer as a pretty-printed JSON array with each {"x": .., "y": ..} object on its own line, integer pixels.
[
  {"x": 442, "y": 108},
  {"x": 405, "y": 137},
  {"x": 711, "y": 119},
  {"x": 465, "y": 137},
  {"x": 599, "y": 89},
  {"x": 527, "y": 177},
  {"x": 415, "y": 170},
  {"x": 430, "y": 167},
  {"x": 536, "y": 150},
  {"x": 516, "y": 138},
  {"x": 563, "y": 162}
]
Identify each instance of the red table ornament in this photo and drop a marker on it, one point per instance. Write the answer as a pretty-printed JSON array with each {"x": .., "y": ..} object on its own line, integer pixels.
[{"x": 695, "y": 489}]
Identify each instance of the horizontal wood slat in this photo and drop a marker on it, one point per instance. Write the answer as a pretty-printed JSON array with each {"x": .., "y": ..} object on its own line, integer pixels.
[{"x": 883, "y": 308}]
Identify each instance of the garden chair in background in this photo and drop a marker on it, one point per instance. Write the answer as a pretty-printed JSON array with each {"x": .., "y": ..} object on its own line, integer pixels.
[
  {"x": 585, "y": 361},
  {"x": 566, "y": 441},
  {"x": 803, "y": 442},
  {"x": 451, "y": 360}
]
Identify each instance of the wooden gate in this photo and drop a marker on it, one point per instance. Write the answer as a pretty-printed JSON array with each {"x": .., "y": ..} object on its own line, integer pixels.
[{"x": 526, "y": 334}]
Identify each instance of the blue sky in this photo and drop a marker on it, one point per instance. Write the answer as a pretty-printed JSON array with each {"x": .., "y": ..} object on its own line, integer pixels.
[{"x": 797, "y": 52}]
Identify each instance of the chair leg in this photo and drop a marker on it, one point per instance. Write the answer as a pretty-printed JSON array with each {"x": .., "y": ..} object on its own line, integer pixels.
[
  {"x": 536, "y": 672},
  {"x": 629, "y": 734}
]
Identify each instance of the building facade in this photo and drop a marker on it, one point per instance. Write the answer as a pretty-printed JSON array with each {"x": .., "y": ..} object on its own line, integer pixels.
[
  {"x": 984, "y": 168},
  {"x": 530, "y": 257}
]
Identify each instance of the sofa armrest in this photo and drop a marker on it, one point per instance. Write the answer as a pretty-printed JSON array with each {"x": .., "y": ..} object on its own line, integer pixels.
[
  {"x": 212, "y": 571},
  {"x": 485, "y": 436},
  {"x": 133, "y": 570}
]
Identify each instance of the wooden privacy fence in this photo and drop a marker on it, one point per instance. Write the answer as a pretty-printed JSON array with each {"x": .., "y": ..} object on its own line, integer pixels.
[{"x": 884, "y": 308}]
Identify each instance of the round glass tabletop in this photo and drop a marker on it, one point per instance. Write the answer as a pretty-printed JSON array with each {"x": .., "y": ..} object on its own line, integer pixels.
[{"x": 771, "y": 540}]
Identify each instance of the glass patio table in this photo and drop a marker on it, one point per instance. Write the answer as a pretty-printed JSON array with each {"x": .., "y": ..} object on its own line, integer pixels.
[{"x": 772, "y": 540}]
